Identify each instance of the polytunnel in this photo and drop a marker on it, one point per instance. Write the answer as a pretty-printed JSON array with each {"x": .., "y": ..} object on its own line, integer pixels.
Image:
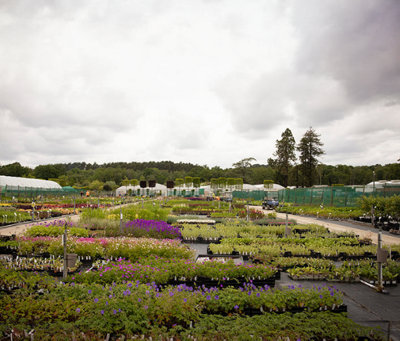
[{"x": 16, "y": 186}]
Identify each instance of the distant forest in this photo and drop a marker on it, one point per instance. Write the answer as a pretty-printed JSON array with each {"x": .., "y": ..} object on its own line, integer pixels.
[{"x": 112, "y": 175}]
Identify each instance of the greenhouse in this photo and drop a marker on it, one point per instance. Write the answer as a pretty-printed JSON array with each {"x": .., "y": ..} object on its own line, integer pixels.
[
  {"x": 137, "y": 190},
  {"x": 159, "y": 189},
  {"x": 15, "y": 186}
]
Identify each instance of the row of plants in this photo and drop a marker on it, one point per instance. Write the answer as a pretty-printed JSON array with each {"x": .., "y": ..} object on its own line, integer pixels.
[
  {"x": 103, "y": 248},
  {"x": 30, "y": 281},
  {"x": 151, "y": 229},
  {"x": 10, "y": 215},
  {"x": 130, "y": 308},
  {"x": 326, "y": 269},
  {"x": 325, "y": 246},
  {"x": 289, "y": 250},
  {"x": 54, "y": 229},
  {"x": 322, "y": 211},
  {"x": 167, "y": 270},
  {"x": 383, "y": 206},
  {"x": 248, "y": 300},
  {"x": 129, "y": 212},
  {"x": 51, "y": 264},
  {"x": 349, "y": 272},
  {"x": 215, "y": 212},
  {"x": 136, "y": 228},
  {"x": 252, "y": 213},
  {"x": 46, "y": 206},
  {"x": 246, "y": 230},
  {"x": 16, "y": 212}
]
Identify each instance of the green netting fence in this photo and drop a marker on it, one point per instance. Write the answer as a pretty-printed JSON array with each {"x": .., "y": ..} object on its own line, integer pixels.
[
  {"x": 254, "y": 195},
  {"x": 333, "y": 196},
  {"x": 327, "y": 196},
  {"x": 33, "y": 192}
]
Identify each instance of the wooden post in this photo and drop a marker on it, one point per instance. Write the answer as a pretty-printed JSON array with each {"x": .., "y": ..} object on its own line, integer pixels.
[
  {"x": 65, "y": 267},
  {"x": 120, "y": 219}
]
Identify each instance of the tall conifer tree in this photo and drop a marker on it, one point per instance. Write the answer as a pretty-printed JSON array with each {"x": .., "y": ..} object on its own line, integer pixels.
[
  {"x": 310, "y": 149},
  {"x": 284, "y": 156}
]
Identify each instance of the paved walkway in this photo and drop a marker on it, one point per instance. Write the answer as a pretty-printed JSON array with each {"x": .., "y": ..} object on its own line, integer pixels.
[
  {"x": 363, "y": 230},
  {"x": 20, "y": 228}
]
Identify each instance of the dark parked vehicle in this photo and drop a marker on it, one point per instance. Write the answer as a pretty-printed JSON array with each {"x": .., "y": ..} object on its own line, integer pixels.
[{"x": 270, "y": 204}]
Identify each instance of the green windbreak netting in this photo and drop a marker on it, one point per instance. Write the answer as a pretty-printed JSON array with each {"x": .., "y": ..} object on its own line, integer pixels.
[
  {"x": 69, "y": 189},
  {"x": 333, "y": 196},
  {"x": 19, "y": 191},
  {"x": 254, "y": 195}
]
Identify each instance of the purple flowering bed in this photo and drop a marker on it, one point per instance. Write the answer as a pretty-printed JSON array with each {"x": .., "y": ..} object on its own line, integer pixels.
[
  {"x": 151, "y": 229},
  {"x": 174, "y": 271}
]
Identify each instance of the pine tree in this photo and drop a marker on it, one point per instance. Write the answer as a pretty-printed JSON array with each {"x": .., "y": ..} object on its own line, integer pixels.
[
  {"x": 309, "y": 149},
  {"x": 285, "y": 154}
]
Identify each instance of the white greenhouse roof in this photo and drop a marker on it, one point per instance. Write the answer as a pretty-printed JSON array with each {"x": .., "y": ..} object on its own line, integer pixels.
[
  {"x": 12, "y": 181},
  {"x": 274, "y": 187},
  {"x": 123, "y": 189},
  {"x": 382, "y": 183}
]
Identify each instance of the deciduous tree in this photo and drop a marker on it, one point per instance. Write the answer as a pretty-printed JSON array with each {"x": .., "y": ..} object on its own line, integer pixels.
[{"x": 243, "y": 165}]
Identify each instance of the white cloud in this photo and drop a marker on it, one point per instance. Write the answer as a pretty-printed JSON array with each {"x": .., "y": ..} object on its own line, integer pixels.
[{"x": 208, "y": 82}]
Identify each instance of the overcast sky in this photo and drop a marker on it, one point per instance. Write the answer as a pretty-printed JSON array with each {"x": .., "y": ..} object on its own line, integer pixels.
[{"x": 209, "y": 82}]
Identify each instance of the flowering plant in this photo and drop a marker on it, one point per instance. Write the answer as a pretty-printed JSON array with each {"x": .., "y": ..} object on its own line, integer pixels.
[{"x": 151, "y": 229}]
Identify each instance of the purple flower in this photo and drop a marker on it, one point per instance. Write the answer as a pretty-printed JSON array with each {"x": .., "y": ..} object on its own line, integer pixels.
[
  {"x": 78, "y": 310},
  {"x": 96, "y": 300},
  {"x": 216, "y": 297},
  {"x": 236, "y": 307},
  {"x": 145, "y": 307},
  {"x": 114, "y": 311},
  {"x": 185, "y": 300},
  {"x": 320, "y": 296},
  {"x": 208, "y": 297},
  {"x": 102, "y": 312},
  {"x": 89, "y": 291}
]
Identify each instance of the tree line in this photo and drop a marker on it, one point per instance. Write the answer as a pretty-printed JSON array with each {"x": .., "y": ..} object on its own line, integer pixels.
[{"x": 283, "y": 167}]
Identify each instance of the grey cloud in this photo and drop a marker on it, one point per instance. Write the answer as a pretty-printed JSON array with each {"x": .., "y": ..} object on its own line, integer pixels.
[
  {"x": 318, "y": 100},
  {"x": 256, "y": 106},
  {"x": 355, "y": 42},
  {"x": 392, "y": 103}
]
